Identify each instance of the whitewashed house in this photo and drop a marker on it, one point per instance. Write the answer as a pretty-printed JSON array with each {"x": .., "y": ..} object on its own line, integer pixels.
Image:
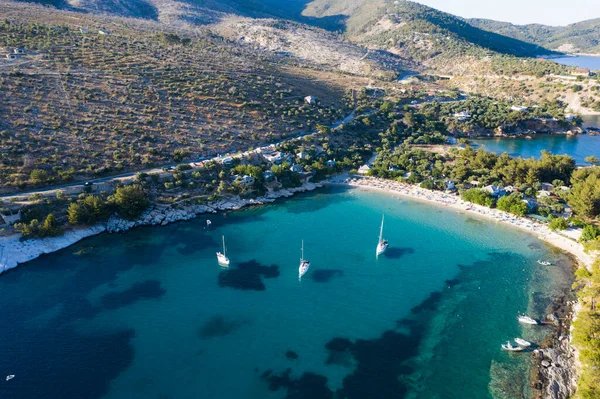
[
  {"x": 462, "y": 116},
  {"x": 363, "y": 170}
]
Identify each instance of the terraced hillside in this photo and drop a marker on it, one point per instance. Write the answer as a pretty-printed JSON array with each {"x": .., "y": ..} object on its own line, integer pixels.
[{"x": 79, "y": 104}]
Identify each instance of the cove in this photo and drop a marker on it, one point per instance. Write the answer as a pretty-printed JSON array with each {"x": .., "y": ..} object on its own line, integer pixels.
[{"x": 149, "y": 313}]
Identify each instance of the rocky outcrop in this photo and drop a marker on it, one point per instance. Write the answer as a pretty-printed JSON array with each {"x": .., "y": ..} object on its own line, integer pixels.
[
  {"x": 557, "y": 372},
  {"x": 163, "y": 215},
  {"x": 14, "y": 251}
]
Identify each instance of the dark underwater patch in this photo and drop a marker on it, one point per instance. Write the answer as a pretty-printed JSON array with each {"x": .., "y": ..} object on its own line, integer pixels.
[
  {"x": 309, "y": 385},
  {"x": 378, "y": 364},
  {"x": 339, "y": 352},
  {"x": 291, "y": 355},
  {"x": 428, "y": 304},
  {"x": 219, "y": 326},
  {"x": 325, "y": 275},
  {"x": 397, "y": 253},
  {"x": 247, "y": 276},
  {"x": 452, "y": 282},
  {"x": 150, "y": 289}
]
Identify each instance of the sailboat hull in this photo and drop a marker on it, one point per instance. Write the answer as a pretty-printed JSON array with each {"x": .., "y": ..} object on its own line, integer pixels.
[
  {"x": 303, "y": 269},
  {"x": 222, "y": 259},
  {"x": 381, "y": 248}
]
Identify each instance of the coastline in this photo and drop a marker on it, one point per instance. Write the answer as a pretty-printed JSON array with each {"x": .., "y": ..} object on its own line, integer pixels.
[
  {"x": 555, "y": 372},
  {"x": 14, "y": 251},
  {"x": 555, "y": 368},
  {"x": 454, "y": 202}
]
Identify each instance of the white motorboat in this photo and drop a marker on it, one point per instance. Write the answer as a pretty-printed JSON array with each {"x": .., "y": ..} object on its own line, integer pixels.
[
  {"x": 222, "y": 257},
  {"x": 522, "y": 342},
  {"x": 509, "y": 347},
  {"x": 544, "y": 263},
  {"x": 382, "y": 244},
  {"x": 526, "y": 320},
  {"x": 10, "y": 377},
  {"x": 304, "y": 264}
]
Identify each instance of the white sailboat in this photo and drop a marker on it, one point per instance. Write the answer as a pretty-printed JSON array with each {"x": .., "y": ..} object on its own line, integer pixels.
[
  {"x": 382, "y": 244},
  {"x": 10, "y": 377},
  {"x": 304, "y": 264},
  {"x": 222, "y": 257}
]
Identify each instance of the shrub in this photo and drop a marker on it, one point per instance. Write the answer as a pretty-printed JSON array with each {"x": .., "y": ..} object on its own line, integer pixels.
[
  {"x": 35, "y": 229},
  {"x": 589, "y": 233},
  {"x": 558, "y": 224}
]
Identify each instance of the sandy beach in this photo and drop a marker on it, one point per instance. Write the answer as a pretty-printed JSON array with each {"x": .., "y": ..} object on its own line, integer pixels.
[{"x": 455, "y": 202}]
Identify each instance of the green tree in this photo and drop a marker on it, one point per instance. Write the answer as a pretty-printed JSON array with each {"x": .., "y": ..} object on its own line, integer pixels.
[
  {"x": 477, "y": 196},
  {"x": 592, "y": 160},
  {"x": 38, "y": 176},
  {"x": 585, "y": 193},
  {"x": 558, "y": 224},
  {"x": 86, "y": 211},
  {"x": 130, "y": 201},
  {"x": 589, "y": 233}
]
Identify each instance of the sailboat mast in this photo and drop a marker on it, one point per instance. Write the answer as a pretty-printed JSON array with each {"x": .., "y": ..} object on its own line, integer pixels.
[
  {"x": 224, "y": 251},
  {"x": 303, "y": 249},
  {"x": 381, "y": 230}
]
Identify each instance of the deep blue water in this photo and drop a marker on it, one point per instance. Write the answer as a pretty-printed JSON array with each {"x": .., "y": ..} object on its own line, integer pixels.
[
  {"x": 578, "y": 147},
  {"x": 589, "y": 62},
  {"x": 150, "y": 314}
]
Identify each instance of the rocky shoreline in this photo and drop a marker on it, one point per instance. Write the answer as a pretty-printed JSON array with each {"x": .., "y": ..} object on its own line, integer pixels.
[
  {"x": 555, "y": 374},
  {"x": 14, "y": 251}
]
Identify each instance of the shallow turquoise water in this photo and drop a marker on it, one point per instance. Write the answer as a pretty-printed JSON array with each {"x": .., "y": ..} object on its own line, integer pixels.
[
  {"x": 577, "y": 147},
  {"x": 149, "y": 313}
]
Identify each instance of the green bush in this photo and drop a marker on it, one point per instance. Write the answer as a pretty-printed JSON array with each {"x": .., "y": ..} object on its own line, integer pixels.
[
  {"x": 87, "y": 211},
  {"x": 477, "y": 196},
  {"x": 589, "y": 233},
  {"x": 514, "y": 204},
  {"x": 558, "y": 224},
  {"x": 35, "y": 229}
]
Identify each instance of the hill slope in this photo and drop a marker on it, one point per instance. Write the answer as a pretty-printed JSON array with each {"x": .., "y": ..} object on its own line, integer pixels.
[
  {"x": 80, "y": 104},
  {"x": 581, "y": 37}
]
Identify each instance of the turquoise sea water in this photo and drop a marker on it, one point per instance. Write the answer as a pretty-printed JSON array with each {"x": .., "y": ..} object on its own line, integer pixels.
[
  {"x": 578, "y": 147},
  {"x": 150, "y": 314}
]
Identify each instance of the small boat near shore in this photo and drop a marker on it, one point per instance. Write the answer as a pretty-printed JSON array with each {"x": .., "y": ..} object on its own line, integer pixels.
[
  {"x": 526, "y": 320},
  {"x": 522, "y": 342},
  {"x": 510, "y": 348},
  {"x": 10, "y": 377},
  {"x": 544, "y": 263}
]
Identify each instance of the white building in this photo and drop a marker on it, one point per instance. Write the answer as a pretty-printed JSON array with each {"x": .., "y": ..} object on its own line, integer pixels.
[
  {"x": 247, "y": 180},
  {"x": 363, "y": 170},
  {"x": 462, "y": 116},
  {"x": 518, "y": 108}
]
